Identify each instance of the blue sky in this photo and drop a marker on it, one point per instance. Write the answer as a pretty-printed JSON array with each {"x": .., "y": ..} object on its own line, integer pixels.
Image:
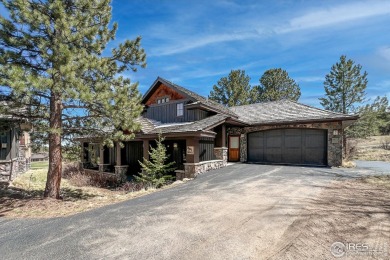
[{"x": 195, "y": 43}]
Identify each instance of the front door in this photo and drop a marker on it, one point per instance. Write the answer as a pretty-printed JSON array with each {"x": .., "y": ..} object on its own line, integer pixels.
[{"x": 234, "y": 148}]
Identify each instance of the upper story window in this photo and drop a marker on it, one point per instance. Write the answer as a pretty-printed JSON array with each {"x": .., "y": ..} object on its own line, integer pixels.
[
  {"x": 163, "y": 100},
  {"x": 180, "y": 109}
]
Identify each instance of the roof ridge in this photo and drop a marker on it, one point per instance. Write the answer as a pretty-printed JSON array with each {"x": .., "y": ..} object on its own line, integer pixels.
[
  {"x": 320, "y": 109},
  {"x": 259, "y": 103}
]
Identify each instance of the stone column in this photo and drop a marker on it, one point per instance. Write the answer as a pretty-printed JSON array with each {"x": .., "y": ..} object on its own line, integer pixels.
[
  {"x": 243, "y": 147},
  {"x": 221, "y": 153}
]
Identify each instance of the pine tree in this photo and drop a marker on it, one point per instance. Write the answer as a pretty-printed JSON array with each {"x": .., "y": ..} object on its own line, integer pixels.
[
  {"x": 233, "y": 90},
  {"x": 276, "y": 84},
  {"x": 154, "y": 171},
  {"x": 345, "y": 86},
  {"x": 53, "y": 61}
]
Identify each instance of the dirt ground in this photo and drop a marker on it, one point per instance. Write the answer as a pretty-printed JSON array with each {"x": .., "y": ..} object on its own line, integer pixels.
[
  {"x": 353, "y": 211},
  {"x": 370, "y": 149},
  {"x": 24, "y": 197}
]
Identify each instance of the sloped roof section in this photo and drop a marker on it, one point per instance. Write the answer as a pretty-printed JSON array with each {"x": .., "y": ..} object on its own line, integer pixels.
[
  {"x": 285, "y": 111},
  {"x": 146, "y": 124},
  {"x": 201, "y": 125},
  {"x": 192, "y": 95}
]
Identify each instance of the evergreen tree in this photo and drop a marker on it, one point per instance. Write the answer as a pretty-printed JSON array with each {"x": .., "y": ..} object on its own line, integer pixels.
[
  {"x": 374, "y": 119},
  {"x": 233, "y": 90},
  {"x": 345, "y": 86},
  {"x": 53, "y": 61},
  {"x": 154, "y": 171},
  {"x": 276, "y": 84}
]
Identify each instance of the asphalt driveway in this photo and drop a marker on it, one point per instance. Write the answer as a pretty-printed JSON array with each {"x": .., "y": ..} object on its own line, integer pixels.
[{"x": 239, "y": 212}]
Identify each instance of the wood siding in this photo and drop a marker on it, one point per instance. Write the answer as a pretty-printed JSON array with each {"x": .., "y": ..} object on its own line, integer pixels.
[
  {"x": 166, "y": 113},
  {"x": 9, "y": 145},
  {"x": 163, "y": 91},
  {"x": 206, "y": 149},
  {"x": 131, "y": 154}
]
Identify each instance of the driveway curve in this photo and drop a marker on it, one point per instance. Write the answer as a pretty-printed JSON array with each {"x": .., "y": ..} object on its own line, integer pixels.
[{"x": 239, "y": 212}]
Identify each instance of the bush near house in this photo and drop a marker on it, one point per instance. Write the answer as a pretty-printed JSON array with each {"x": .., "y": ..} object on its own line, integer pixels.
[{"x": 154, "y": 171}]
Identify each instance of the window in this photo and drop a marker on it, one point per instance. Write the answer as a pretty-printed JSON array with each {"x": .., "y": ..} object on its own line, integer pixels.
[
  {"x": 4, "y": 145},
  {"x": 163, "y": 100},
  {"x": 180, "y": 109}
]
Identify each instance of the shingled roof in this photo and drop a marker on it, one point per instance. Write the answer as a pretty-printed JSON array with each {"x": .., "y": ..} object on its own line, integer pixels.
[
  {"x": 285, "y": 111},
  {"x": 201, "y": 125},
  {"x": 192, "y": 95}
]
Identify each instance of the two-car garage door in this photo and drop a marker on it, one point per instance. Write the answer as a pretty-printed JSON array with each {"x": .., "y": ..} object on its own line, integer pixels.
[{"x": 288, "y": 146}]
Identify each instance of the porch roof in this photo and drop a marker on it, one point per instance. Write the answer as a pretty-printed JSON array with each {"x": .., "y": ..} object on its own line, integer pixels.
[{"x": 201, "y": 125}]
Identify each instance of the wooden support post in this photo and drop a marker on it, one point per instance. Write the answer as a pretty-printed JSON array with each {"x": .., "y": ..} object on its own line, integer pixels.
[
  {"x": 101, "y": 154},
  {"x": 224, "y": 135},
  {"x": 118, "y": 154},
  {"x": 193, "y": 147},
  {"x": 146, "y": 149}
]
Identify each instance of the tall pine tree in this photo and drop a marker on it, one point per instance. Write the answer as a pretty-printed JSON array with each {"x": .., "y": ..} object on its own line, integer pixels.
[
  {"x": 233, "y": 90},
  {"x": 276, "y": 84},
  {"x": 345, "y": 86},
  {"x": 53, "y": 61}
]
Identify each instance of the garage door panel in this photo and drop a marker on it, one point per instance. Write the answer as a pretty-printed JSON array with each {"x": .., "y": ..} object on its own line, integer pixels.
[
  {"x": 314, "y": 156},
  {"x": 293, "y": 138},
  {"x": 256, "y": 145},
  {"x": 292, "y": 156},
  {"x": 273, "y": 155},
  {"x": 291, "y": 146}
]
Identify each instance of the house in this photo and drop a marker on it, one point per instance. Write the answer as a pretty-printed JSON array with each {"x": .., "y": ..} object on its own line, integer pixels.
[
  {"x": 201, "y": 134},
  {"x": 15, "y": 151},
  {"x": 39, "y": 157}
]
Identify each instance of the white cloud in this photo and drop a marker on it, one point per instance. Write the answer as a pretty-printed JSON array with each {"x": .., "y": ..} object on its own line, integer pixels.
[
  {"x": 310, "y": 79},
  {"x": 384, "y": 52},
  {"x": 178, "y": 41},
  {"x": 203, "y": 40},
  {"x": 336, "y": 15}
]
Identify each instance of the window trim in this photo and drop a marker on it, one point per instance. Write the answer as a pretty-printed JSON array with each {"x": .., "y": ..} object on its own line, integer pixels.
[{"x": 179, "y": 108}]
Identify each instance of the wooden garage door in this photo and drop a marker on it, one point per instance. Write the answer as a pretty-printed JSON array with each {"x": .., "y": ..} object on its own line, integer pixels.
[{"x": 288, "y": 146}]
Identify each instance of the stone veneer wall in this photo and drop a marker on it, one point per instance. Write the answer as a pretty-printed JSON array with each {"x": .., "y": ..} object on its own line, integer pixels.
[
  {"x": 191, "y": 170},
  {"x": 8, "y": 170},
  {"x": 335, "y": 143}
]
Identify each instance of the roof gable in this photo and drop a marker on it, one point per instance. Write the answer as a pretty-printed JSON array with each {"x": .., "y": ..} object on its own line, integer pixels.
[
  {"x": 192, "y": 96},
  {"x": 161, "y": 91}
]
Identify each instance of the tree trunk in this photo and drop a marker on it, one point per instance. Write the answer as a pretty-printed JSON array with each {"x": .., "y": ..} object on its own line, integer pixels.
[{"x": 53, "y": 182}]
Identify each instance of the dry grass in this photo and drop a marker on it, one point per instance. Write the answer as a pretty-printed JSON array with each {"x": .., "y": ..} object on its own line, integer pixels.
[
  {"x": 23, "y": 198},
  {"x": 348, "y": 164},
  {"x": 370, "y": 149},
  {"x": 382, "y": 181}
]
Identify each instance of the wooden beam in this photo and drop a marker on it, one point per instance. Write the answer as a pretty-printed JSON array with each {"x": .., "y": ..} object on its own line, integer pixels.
[
  {"x": 101, "y": 154},
  {"x": 146, "y": 149},
  {"x": 118, "y": 154},
  {"x": 223, "y": 135}
]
